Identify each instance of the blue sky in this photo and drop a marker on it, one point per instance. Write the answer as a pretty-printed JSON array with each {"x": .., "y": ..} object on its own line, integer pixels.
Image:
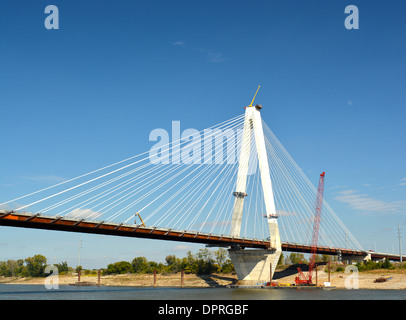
[{"x": 76, "y": 99}]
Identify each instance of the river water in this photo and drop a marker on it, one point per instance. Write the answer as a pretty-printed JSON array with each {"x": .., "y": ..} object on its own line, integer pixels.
[{"x": 39, "y": 292}]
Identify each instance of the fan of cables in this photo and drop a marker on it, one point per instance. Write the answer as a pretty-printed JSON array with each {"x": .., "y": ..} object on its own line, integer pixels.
[{"x": 189, "y": 184}]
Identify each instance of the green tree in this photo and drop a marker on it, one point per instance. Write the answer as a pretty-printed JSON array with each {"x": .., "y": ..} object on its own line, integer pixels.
[
  {"x": 386, "y": 264},
  {"x": 371, "y": 265},
  {"x": 190, "y": 263},
  {"x": 139, "y": 265},
  {"x": 62, "y": 267},
  {"x": 183, "y": 264},
  {"x": 205, "y": 262},
  {"x": 152, "y": 265},
  {"x": 8, "y": 268},
  {"x": 12, "y": 268},
  {"x": 221, "y": 256},
  {"x": 297, "y": 258},
  {"x": 171, "y": 260},
  {"x": 120, "y": 267},
  {"x": 35, "y": 266},
  {"x": 3, "y": 269},
  {"x": 173, "y": 264},
  {"x": 228, "y": 267},
  {"x": 325, "y": 258},
  {"x": 224, "y": 263}
]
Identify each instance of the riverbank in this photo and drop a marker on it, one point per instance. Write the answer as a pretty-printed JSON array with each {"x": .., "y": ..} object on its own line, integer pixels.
[
  {"x": 137, "y": 280},
  {"x": 337, "y": 279},
  {"x": 366, "y": 279}
]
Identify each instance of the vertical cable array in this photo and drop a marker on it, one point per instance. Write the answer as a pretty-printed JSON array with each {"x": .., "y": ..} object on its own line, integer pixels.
[{"x": 295, "y": 198}]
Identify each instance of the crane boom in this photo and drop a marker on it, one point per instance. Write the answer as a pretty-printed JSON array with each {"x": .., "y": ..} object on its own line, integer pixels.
[
  {"x": 301, "y": 279},
  {"x": 316, "y": 223}
]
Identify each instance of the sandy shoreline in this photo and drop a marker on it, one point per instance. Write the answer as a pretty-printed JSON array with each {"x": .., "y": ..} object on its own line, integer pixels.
[{"x": 338, "y": 280}]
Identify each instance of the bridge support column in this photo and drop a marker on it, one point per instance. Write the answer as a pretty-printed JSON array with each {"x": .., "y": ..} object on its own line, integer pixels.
[{"x": 253, "y": 265}]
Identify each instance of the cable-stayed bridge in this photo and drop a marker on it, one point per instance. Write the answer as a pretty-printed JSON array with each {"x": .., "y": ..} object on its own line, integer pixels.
[{"x": 231, "y": 185}]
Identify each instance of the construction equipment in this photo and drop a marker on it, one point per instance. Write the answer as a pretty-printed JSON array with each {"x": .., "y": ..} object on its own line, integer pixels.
[
  {"x": 138, "y": 214},
  {"x": 254, "y": 97},
  {"x": 301, "y": 279}
]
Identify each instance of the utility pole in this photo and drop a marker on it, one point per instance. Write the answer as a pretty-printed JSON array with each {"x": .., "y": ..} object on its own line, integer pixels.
[{"x": 400, "y": 243}]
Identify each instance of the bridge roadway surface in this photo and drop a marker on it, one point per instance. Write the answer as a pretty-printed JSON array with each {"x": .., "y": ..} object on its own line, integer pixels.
[{"x": 38, "y": 221}]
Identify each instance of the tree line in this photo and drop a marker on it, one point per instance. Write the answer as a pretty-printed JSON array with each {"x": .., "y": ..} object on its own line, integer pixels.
[
  {"x": 29, "y": 267},
  {"x": 204, "y": 261}
]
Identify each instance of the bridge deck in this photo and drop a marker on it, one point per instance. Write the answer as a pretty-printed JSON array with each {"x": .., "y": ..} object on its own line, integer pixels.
[{"x": 37, "y": 221}]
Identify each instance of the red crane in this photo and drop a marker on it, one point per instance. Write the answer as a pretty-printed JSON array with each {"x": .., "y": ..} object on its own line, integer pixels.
[{"x": 302, "y": 279}]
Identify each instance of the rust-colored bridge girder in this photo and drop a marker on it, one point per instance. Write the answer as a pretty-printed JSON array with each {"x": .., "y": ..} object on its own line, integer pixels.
[
  {"x": 294, "y": 247},
  {"x": 37, "y": 221}
]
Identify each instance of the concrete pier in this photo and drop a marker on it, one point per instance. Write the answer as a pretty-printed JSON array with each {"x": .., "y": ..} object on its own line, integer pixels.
[{"x": 254, "y": 267}]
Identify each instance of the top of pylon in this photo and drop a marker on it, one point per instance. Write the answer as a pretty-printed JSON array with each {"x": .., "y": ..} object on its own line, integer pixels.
[{"x": 254, "y": 97}]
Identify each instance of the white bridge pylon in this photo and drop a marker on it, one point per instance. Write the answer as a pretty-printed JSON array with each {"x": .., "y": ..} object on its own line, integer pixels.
[
  {"x": 253, "y": 124},
  {"x": 254, "y": 266}
]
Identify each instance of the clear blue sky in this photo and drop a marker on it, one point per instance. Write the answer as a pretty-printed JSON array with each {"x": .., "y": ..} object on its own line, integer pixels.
[{"x": 87, "y": 95}]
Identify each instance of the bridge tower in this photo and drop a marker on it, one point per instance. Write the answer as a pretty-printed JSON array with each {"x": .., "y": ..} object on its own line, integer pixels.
[{"x": 254, "y": 265}]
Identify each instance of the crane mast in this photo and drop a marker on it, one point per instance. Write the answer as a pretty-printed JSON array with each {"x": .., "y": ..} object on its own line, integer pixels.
[
  {"x": 316, "y": 223},
  {"x": 301, "y": 279}
]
